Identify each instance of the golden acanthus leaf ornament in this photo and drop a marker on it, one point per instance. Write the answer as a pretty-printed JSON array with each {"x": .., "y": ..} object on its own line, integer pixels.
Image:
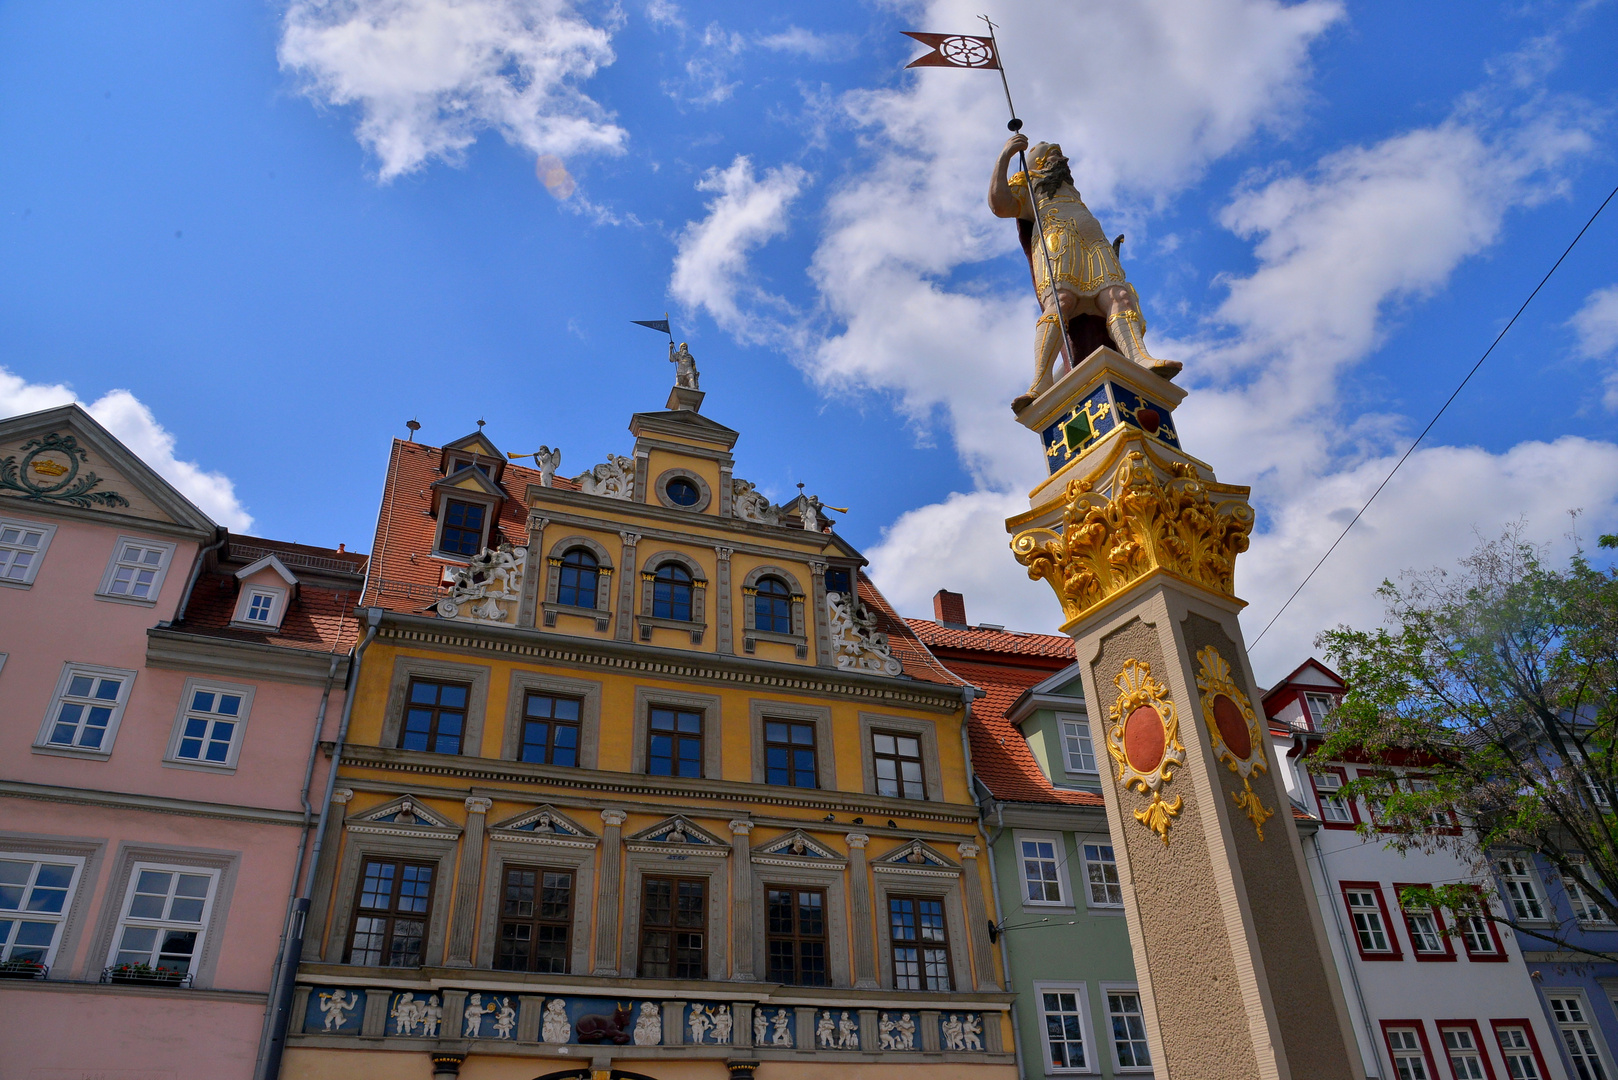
[{"x": 1145, "y": 523}]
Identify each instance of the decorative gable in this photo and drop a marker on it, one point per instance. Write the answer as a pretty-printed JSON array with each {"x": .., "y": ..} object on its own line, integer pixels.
[
  {"x": 474, "y": 451},
  {"x": 677, "y": 836},
  {"x": 797, "y": 848},
  {"x": 403, "y": 816},
  {"x": 916, "y": 857},
  {"x": 543, "y": 825}
]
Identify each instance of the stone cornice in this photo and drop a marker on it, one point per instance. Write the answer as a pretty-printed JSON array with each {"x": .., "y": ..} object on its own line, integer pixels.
[
  {"x": 157, "y": 804},
  {"x": 682, "y": 523},
  {"x": 178, "y": 650},
  {"x": 414, "y": 631}
]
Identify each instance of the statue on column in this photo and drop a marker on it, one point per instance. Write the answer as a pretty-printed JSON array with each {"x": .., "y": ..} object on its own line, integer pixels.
[
  {"x": 1088, "y": 278},
  {"x": 685, "y": 367}
]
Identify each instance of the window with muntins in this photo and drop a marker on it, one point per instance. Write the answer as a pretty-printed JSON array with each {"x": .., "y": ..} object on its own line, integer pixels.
[
  {"x": 1040, "y": 871},
  {"x": 1077, "y": 750},
  {"x": 1465, "y": 1058},
  {"x": 390, "y": 917},
  {"x": 1585, "y": 908},
  {"x": 1320, "y": 707},
  {"x": 674, "y": 742},
  {"x": 671, "y": 593},
  {"x": 1101, "y": 874},
  {"x": 260, "y": 606},
  {"x": 1426, "y": 936},
  {"x": 1365, "y": 909},
  {"x": 163, "y": 919},
  {"x": 576, "y": 582},
  {"x": 789, "y": 753},
  {"x": 1577, "y": 1038},
  {"x": 210, "y": 727},
  {"x": 137, "y": 571},
  {"x": 796, "y": 937},
  {"x": 772, "y": 606},
  {"x": 1063, "y": 1014},
  {"x": 673, "y": 928},
  {"x": 463, "y": 527},
  {"x": 920, "y": 943},
  {"x": 1517, "y": 884},
  {"x": 86, "y": 709},
  {"x": 1476, "y": 936},
  {"x": 435, "y": 716},
  {"x": 1409, "y": 1059},
  {"x": 1128, "y": 1030},
  {"x": 21, "y": 546},
  {"x": 34, "y": 896},
  {"x": 1518, "y": 1053},
  {"x": 550, "y": 730},
  {"x": 897, "y": 760},
  {"x": 1333, "y": 806},
  {"x": 536, "y": 920}
]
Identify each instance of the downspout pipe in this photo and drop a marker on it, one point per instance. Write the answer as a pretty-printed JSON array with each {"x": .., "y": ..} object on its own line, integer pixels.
[
  {"x": 220, "y": 536},
  {"x": 271, "y": 1065}
]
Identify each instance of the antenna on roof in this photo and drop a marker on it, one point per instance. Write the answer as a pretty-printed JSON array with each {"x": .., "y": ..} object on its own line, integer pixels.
[
  {"x": 480, "y": 425},
  {"x": 414, "y": 426}
]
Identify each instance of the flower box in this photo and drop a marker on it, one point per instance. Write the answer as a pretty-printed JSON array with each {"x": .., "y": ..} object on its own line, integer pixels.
[
  {"x": 22, "y": 969},
  {"x": 142, "y": 975}
]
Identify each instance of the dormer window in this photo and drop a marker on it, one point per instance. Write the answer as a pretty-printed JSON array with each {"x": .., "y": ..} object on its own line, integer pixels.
[
  {"x": 260, "y": 606},
  {"x": 463, "y": 527},
  {"x": 267, "y": 587},
  {"x": 1320, "y": 706}
]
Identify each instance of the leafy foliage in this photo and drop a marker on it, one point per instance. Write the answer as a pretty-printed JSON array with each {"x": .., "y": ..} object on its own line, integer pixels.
[{"x": 1499, "y": 678}]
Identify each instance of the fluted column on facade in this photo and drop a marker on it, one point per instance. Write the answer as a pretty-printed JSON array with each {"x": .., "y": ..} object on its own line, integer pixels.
[
  {"x": 626, "y": 585},
  {"x": 977, "y": 919},
  {"x": 864, "y": 936},
  {"x": 722, "y": 606},
  {"x": 608, "y": 894},
  {"x": 468, "y": 879},
  {"x": 741, "y": 901},
  {"x": 314, "y": 937},
  {"x": 535, "y": 572}
]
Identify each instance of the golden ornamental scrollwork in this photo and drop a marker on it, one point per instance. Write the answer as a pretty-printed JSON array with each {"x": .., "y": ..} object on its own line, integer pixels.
[
  {"x": 1144, "y": 523},
  {"x": 1238, "y": 736},
  {"x": 1144, "y": 741}
]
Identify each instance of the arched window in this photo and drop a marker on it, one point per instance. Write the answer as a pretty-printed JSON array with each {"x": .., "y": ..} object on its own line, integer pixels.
[
  {"x": 772, "y": 607},
  {"x": 671, "y": 592},
  {"x": 576, "y": 586}
]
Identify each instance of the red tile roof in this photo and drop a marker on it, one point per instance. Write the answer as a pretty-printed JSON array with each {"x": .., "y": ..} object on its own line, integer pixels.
[
  {"x": 907, "y": 648},
  {"x": 320, "y": 619},
  {"x": 980, "y": 639}
]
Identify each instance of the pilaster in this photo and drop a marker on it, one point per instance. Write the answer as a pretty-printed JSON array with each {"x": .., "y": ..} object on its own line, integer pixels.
[
  {"x": 609, "y": 893},
  {"x": 468, "y": 879},
  {"x": 817, "y": 592},
  {"x": 626, "y": 585},
  {"x": 977, "y": 919},
  {"x": 741, "y": 902},
  {"x": 315, "y": 932},
  {"x": 722, "y": 605},
  {"x": 864, "y": 935},
  {"x": 535, "y": 571}
]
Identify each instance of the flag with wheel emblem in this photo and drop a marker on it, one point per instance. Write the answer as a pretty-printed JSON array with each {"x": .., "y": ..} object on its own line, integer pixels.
[{"x": 956, "y": 50}]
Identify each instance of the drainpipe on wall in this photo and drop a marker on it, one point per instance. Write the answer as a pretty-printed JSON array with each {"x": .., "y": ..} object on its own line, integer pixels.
[
  {"x": 999, "y": 919},
  {"x": 196, "y": 572},
  {"x": 270, "y": 1063}
]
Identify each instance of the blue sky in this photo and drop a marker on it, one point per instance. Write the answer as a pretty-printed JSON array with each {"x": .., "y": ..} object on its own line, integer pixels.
[{"x": 257, "y": 238}]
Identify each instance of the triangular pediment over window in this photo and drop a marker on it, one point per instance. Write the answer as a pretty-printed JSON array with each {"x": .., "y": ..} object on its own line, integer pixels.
[
  {"x": 544, "y": 825},
  {"x": 916, "y": 857},
  {"x": 469, "y": 479},
  {"x": 677, "y": 834},
  {"x": 406, "y": 815},
  {"x": 796, "y": 848},
  {"x": 472, "y": 450}
]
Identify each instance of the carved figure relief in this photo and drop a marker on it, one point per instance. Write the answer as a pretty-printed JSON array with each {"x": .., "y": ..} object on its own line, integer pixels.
[
  {"x": 1177, "y": 523},
  {"x": 407, "y": 1014},
  {"x": 56, "y": 458},
  {"x": 856, "y": 643},
  {"x": 848, "y": 1033},
  {"x": 336, "y": 1006},
  {"x": 782, "y": 1024},
  {"x": 761, "y": 1027},
  {"x": 612, "y": 479},
  {"x": 722, "y": 1021},
  {"x": 554, "y": 1028},
  {"x": 1238, "y": 738},
  {"x": 700, "y": 1022},
  {"x": 749, "y": 504},
  {"x": 505, "y": 1019},
  {"x": 493, "y": 578},
  {"x": 473, "y": 1015},
  {"x": 431, "y": 1017},
  {"x": 648, "y": 1025},
  {"x": 1144, "y": 742},
  {"x": 950, "y": 1027},
  {"x": 597, "y": 1028},
  {"x": 826, "y": 1032}
]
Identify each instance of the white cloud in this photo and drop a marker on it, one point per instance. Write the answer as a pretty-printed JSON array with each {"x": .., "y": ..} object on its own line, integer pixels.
[
  {"x": 1595, "y": 325},
  {"x": 711, "y": 261},
  {"x": 429, "y": 75},
  {"x": 807, "y": 43},
  {"x": 132, "y": 423}
]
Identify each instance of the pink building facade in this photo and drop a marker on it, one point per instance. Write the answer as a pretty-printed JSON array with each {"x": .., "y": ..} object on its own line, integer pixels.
[{"x": 164, "y": 690}]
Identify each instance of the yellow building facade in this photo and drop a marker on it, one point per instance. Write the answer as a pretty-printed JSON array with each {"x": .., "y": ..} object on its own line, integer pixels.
[{"x": 642, "y": 779}]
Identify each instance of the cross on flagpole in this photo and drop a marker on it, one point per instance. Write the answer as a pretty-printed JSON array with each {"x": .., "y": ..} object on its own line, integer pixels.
[{"x": 968, "y": 51}]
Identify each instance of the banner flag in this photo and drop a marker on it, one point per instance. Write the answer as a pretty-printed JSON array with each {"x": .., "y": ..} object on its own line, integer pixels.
[
  {"x": 956, "y": 50},
  {"x": 660, "y": 325}
]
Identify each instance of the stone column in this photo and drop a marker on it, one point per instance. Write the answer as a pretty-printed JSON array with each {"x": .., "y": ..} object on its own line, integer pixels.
[
  {"x": 468, "y": 880},
  {"x": 741, "y": 902},
  {"x": 674, "y": 1023},
  {"x": 608, "y": 897},
  {"x": 726, "y": 490},
  {"x": 741, "y": 1030},
  {"x": 314, "y": 933},
  {"x": 817, "y": 617},
  {"x": 626, "y": 586},
  {"x": 977, "y": 920},
  {"x": 535, "y": 572},
  {"x": 927, "y": 1029},
  {"x": 860, "y": 890},
  {"x": 870, "y": 1031},
  {"x": 722, "y": 605}
]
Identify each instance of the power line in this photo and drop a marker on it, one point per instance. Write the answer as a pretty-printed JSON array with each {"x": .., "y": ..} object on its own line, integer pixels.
[{"x": 1434, "y": 420}]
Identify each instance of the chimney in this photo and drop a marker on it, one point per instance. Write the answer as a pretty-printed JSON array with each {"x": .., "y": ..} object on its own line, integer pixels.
[{"x": 949, "y": 607}]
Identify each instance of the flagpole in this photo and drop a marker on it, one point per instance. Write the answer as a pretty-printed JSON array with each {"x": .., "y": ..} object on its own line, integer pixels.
[{"x": 1015, "y": 125}]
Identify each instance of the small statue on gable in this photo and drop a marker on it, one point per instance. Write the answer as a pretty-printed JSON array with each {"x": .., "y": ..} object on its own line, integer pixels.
[{"x": 685, "y": 367}]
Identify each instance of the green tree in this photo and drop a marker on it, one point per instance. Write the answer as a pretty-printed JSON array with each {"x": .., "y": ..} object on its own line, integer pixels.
[{"x": 1500, "y": 677}]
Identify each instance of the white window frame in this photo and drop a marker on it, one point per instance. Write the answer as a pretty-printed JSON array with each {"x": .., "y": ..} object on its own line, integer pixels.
[
  {"x": 1517, "y": 888},
  {"x": 95, "y": 671},
  {"x": 60, "y": 918},
  {"x": 27, "y": 580},
  {"x": 1092, "y": 1059},
  {"x": 1419, "y": 1050},
  {"x": 107, "y": 577},
  {"x": 1084, "y": 860},
  {"x": 1062, "y": 721},
  {"x": 1329, "y": 797},
  {"x": 244, "y": 607},
  {"x": 1585, "y": 1022},
  {"x": 1371, "y": 911},
  {"x": 1309, "y": 699},
  {"x": 1059, "y": 856},
  {"x": 184, "y": 713},
  {"x": 1112, "y": 1043},
  {"x": 1476, "y": 1052},
  {"x": 1525, "y": 1051},
  {"x": 1585, "y": 910},
  {"x": 124, "y": 920}
]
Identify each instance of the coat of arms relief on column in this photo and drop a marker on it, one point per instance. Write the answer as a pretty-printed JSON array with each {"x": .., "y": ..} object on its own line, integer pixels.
[
  {"x": 1238, "y": 737},
  {"x": 1144, "y": 741}
]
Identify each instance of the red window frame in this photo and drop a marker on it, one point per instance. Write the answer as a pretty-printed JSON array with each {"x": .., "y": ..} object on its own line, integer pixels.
[
  {"x": 1533, "y": 1043},
  {"x": 1395, "y": 946},
  {"x": 1421, "y": 1033},
  {"x": 1438, "y": 921},
  {"x": 1353, "y": 804},
  {"x": 1386, "y": 776},
  {"x": 1499, "y": 955},
  {"x": 1454, "y": 826},
  {"x": 1477, "y": 1041}
]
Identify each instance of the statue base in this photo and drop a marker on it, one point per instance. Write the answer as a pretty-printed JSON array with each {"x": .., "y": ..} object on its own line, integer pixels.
[{"x": 688, "y": 400}]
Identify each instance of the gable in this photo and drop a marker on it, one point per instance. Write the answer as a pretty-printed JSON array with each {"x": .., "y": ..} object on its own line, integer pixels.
[
  {"x": 544, "y": 825},
  {"x": 61, "y": 459},
  {"x": 266, "y": 571},
  {"x": 797, "y": 848},
  {"x": 678, "y": 835},
  {"x": 916, "y": 857},
  {"x": 402, "y": 816}
]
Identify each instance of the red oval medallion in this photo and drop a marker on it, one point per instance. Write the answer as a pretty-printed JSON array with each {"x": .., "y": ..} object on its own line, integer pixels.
[
  {"x": 1232, "y": 727},
  {"x": 1143, "y": 739},
  {"x": 1149, "y": 419}
]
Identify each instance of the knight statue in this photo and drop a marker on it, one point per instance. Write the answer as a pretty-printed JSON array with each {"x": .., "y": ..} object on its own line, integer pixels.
[
  {"x": 685, "y": 367},
  {"x": 1088, "y": 279}
]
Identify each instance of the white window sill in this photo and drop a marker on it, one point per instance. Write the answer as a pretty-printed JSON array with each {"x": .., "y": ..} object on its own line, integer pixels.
[
  {"x": 261, "y": 627},
  {"x": 133, "y": 601},
  {"x": 16, "y": 584},
  {"x": 1048, "y": 905},
  {"x": 199, "y": 766},
  {"x": 57, "y": 750}
]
